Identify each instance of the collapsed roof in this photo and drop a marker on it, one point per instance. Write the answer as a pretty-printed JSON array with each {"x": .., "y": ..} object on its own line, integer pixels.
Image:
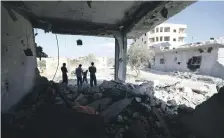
[{"x": 100, "y": 18}]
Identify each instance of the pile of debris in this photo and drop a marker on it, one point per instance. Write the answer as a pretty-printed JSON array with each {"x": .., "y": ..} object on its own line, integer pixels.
[
  {"x": 129, "y": 110},
  {"x": 196, "y": 77}
]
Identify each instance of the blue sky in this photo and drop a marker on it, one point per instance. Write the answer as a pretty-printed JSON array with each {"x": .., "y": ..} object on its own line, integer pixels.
[{"x": 204, "y": 19}]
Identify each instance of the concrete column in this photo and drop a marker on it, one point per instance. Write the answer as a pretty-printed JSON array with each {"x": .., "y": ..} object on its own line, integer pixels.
[
  {"x": 120, "y": 56},
  {"x": 18, "y": 67}
]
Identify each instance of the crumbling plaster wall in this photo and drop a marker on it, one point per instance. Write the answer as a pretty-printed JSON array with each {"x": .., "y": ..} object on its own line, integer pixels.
[
  {"x": 17, "y": 69},
  {"x": 172, "y": 58},
  {"x": 218, "y": 67}
]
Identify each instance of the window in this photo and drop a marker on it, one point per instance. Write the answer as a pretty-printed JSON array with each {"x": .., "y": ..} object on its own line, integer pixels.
[
  {"x": 181, "y": 39},
  {"x": 181, "y": 30},
  {"x": 166, "y": 29},
  {"x": 174, "y": 40},
  {"x": 166, "y": 38},
  {"x": 157, "y": 30},
  {"x": 157, "y": 39},
  {"x": 152, "y": 31},
  {"x": 162, "y": 61},
  {"x": 161, "y": 38},
  {"x": 174, "y": 30},
  {"x": 145, "y": 42},
  {"x": 196, "y": 60},
  {"x": 152, "y": 39},
  {"x": 145, "y": 34},
  {"x": 161, "y": 29}
]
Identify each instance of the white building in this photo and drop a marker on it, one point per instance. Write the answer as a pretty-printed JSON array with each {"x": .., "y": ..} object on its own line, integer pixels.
[
  {"x": 206, "y": 58},
  {"x": 165, "y": 32}
]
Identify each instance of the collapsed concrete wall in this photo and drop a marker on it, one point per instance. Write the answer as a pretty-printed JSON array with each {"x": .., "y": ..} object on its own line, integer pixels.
[{"x": 18, "y": 58}]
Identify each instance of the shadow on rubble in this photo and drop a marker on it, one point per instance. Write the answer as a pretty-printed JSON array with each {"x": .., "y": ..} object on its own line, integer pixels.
[{"x": 111, "y": 110}]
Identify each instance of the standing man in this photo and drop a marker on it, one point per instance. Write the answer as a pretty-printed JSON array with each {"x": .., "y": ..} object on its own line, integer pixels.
[
  {"x": 92, "y": 71},
  {"x": 79, "y": 73},
  {"x": 85, "y": 76},
  {"x": 64, "y": 73}
]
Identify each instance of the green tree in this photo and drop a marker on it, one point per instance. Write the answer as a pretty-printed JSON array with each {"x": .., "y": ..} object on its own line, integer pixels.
[
  {"x": 90, "y": 58},
  {"x": 139, "y": 57}
]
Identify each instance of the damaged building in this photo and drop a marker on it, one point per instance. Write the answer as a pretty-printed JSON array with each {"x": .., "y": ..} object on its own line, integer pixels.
[
  {"x": 205, "y": 58},
  {"x": 33, "y": 106}
]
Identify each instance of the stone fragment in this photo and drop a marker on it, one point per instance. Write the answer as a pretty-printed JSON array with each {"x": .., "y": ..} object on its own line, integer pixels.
[
  {"x": 115, "y": 109},
  {"x": 82, "y": 99},
  {"x": 119, "y": 118},
  {"x": 135, "y": 115},
  {"x": 138, "y": 99},
  {"x": 97, "y": 96},
  {"x": 100, "y": 104}
]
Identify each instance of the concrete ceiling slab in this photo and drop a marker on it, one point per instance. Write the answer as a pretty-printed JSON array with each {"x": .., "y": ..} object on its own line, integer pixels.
[{"x": 100, "y": 18}]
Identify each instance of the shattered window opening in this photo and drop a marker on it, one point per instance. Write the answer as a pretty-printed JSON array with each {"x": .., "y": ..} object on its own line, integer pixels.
[
  {"x": 162, "y": 61},
  {"x": 196, "y": 60},
  {"x": 210, "y": 49}
]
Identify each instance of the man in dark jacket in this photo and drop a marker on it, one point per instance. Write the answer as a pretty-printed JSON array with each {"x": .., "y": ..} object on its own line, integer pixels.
[
  {"x": 79, "y": 73},
  {"x": 64, "y": 74},
  {"x": 92, "y": 71}
]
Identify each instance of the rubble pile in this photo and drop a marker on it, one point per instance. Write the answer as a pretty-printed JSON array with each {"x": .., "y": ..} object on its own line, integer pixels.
[
  {"x": 177, "y": 94},
  {"x": 128, "y": 110},
  {"x": 207, "y": 79},
  {"x": 132, "y": 110}
]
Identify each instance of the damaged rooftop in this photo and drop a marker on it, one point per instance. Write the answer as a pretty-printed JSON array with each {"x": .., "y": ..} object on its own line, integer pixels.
[{"x": 133, "y": 18}]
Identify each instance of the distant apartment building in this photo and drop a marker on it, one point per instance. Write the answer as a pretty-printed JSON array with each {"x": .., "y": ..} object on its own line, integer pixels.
[{"x": 166, "y": 32}]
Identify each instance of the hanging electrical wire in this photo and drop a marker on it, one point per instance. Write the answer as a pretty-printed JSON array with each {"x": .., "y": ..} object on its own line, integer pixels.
[{"x": 58, "y": 57}]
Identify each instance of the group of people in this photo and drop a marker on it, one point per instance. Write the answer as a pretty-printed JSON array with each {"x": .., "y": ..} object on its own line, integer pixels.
[{"x": 81, "y": 75}]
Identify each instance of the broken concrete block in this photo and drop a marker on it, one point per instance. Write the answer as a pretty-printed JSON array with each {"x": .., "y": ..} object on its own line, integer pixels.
[
  {"x": 82, "y": 99},
  {"x": 163, "y": 106},
  {"x": 119, "y": 118},
  {"x": 100, "y": 104},
  {"x": 70, "y": 96},
  {"x": 137, "y": 129},
  {"x": 171, "y": 103},
  {"x": 97, "y": 96},
  {"x": 147, "y": 107},
  {"x": 152, "y": 102},
  {"x": 115, "y": 109},
  {"x": 135, "y": 115},
  {"x": 138, "y": 99}
]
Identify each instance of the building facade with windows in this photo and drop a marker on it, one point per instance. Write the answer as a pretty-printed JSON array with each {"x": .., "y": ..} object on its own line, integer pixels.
[
  {"x": 205, "y": 58},
  {"x": 165, "y": 32}
]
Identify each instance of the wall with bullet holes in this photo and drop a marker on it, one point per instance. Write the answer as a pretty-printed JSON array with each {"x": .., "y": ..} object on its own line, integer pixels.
[
  {"x": 18, "y": 58},
  {"x": 212, "y": 62}
]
